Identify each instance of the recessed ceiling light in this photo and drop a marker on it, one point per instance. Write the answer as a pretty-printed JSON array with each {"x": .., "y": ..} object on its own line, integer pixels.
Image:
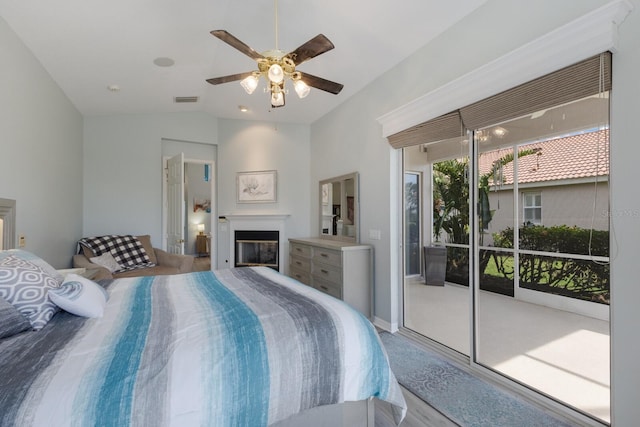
[
  {"x": 164, "y": 62},
  {"x": 113, "y": 88},
  {"x": 243, "y": 108}
]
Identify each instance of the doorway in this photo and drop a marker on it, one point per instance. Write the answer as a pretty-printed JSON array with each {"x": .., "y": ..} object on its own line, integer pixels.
[{"x": 189, "y": 214}]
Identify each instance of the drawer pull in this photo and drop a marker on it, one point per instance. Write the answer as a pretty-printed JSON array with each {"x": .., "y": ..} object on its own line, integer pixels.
[
  {"x": 298, "y": 262},
  {"x": 324, "y": 255},
  {"x": 324, "y": 271},
  {"x": 324, "y": 288}
]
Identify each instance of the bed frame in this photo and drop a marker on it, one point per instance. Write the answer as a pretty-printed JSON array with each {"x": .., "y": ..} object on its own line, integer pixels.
[{"x": 348, "y": 414}]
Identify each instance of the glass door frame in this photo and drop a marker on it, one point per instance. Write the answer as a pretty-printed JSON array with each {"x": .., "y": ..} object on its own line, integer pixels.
[
  {"x": 474, "y": 287},
  {"x": 421, "y": 219}
]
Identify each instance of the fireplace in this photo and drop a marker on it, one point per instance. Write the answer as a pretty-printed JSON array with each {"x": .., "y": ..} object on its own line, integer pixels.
[
  {"x": 257, "y": 248},
  {"x": 270, "y": 222}
]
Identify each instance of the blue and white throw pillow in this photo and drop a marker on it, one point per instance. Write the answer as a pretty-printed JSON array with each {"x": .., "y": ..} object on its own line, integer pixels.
[
  {"x": 80, "y": 296},
  {"x": 25, "y": 285}
]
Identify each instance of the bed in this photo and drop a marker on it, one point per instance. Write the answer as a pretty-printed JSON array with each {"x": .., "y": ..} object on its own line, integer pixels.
[{"x": 236, "y": 347}]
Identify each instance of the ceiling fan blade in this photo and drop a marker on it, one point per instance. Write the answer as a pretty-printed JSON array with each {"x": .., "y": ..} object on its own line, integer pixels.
[
  {"x": 314, "y": 47},
  {"x": 322, "y": 84},
  {"x": 230, "y": 78},
  {"x": 236, "y": 43}
]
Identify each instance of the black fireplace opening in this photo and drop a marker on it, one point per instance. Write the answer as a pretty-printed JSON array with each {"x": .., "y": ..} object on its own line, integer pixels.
[{"x": 257, "y": 248}]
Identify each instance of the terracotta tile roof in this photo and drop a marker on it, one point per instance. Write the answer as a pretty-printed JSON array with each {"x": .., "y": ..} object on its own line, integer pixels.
[{"x": 577, "y": 156}]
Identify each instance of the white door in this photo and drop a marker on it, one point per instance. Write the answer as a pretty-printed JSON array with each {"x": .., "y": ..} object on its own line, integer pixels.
[{"x": 175, "y": 204}]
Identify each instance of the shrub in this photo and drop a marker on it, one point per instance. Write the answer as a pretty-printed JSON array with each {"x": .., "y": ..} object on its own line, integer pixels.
[{"x": 577, "y": 278}]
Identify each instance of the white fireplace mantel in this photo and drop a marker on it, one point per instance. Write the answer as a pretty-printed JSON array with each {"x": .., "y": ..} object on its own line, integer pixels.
[
  {"x": 256, "y": 221},
  {"x": 256, "y": 217}
]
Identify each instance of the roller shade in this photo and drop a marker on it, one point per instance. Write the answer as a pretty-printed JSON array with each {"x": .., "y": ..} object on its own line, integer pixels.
[
  {"x": 444, "y": 127},
  {"x": 571, "y": 83}
]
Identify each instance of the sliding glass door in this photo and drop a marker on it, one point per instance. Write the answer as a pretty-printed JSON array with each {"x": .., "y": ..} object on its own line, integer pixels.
[
  {"x": 439, "y": 309},
  {"x": 543, "y": 252},
  {"x": 524, "y": 220}
]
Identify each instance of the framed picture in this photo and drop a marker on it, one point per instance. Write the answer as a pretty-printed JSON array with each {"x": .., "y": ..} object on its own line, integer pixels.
[
  {"x": 325, "y": 194},
  {"x": 201, "y": 205},
  {"x": 256, "y": 187}
]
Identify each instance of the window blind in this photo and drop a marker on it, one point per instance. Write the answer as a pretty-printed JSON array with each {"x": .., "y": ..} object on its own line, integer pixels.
[
  {"x": 568, "y": 84},
  {"x": 571, "y": 83},
  {"x": 444, "y": 127}
]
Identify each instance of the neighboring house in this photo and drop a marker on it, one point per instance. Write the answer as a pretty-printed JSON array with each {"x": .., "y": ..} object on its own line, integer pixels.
[{"x": 565, "y": 182}]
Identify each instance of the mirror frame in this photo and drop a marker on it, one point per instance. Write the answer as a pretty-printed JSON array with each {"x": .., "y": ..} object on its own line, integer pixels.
[{"x": 355, "y": 236}]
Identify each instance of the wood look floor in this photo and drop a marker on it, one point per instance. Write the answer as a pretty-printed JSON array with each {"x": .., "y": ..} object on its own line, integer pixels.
[{"x": 419, "y": 414}]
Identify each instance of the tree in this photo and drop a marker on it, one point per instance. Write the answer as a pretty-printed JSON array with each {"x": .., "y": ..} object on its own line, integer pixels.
[{"x": 451, "y": 207}]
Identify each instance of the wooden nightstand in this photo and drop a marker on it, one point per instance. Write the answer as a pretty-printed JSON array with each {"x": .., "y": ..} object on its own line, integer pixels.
[{"x": 202, "y": 245}]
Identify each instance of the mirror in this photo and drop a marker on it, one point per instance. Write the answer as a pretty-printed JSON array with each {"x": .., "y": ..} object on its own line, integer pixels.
[
  {"x": 7, "y": 224},
  {"x": 339, "y": 208}
]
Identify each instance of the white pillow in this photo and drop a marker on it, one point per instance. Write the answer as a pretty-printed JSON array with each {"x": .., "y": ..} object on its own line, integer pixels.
[
  {"x": 107, "y": 261},
  {"x": 80, "y": 296}
]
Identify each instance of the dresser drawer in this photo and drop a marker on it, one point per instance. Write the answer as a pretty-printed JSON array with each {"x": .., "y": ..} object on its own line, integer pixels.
[
  {"x": 300, "y": 250},
  {"x": 327, "y": 287},
  {"x": 327, "y": 273},
  {"x": 303, "y": 264},
  {"x": 300, "y": 275},
  {"x": 340, "y": 269},
  {"x": 327, "y": 256}
]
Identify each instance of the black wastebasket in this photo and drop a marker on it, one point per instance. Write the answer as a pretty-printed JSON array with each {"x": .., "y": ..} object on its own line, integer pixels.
[{"x": 435, "y": 265}]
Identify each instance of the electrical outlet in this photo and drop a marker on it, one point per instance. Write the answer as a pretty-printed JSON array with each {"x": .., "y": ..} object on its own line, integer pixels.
[
  {"x": 374, "y": 234},
  {"x": 22, "y": 241}
]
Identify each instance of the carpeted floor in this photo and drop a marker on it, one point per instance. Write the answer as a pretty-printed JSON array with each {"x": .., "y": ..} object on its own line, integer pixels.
[{"x": 462, "y": 397}]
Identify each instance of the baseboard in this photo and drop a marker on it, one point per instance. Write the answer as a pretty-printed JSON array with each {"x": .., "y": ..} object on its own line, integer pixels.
[{"x": 384, "y": 325}]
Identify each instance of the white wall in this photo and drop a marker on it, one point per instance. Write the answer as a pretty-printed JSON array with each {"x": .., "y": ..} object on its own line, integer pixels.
[
  {"x": 123, "y": 157},
  {"x": 625, "y": 224},
  {"x": 123, "y": 169},
  {"x": 41, "y": 154},
  {"x": 349, "y": 138},
  {"x": 254, "y": 146}
]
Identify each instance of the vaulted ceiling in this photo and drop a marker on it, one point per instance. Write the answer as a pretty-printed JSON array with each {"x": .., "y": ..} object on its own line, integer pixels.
[{"x": 88, "y": 46}]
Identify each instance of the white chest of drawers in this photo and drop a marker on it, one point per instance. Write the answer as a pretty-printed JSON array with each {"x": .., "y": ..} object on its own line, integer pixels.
[{"x": 341, "y": 269}]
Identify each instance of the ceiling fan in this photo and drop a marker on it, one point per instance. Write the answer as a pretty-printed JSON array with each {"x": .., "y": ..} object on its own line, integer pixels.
[{"x": 276, "y": 65}]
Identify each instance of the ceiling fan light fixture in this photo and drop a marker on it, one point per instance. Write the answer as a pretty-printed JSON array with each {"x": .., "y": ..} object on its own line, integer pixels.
[
  {"x": 276, "y": 66},
  {"x": 277, "y": 99},
  {"x": 249, "y": 84},
  {"x": 302, "y": 89},
  {"x": 275, "y": 74}
]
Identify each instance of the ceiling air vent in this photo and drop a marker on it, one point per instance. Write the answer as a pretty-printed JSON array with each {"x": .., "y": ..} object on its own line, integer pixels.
[{"x": 183, "y": 99}]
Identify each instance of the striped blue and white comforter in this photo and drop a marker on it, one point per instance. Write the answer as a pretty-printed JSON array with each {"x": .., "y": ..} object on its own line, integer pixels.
[{"x": 237, "y": 347}]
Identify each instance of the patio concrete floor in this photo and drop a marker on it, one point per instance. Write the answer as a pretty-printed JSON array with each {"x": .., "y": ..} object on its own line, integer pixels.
[{"x": 562, "y": 354}]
